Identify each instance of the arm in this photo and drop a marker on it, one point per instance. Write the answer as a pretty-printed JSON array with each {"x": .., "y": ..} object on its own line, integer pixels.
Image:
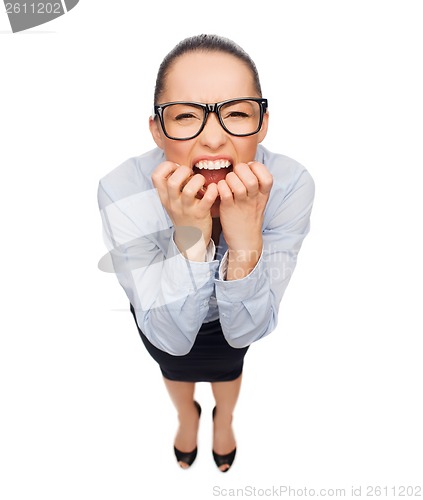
[
  {"x": 249, "y": 306},
  {"x": 169, "y": 293}
]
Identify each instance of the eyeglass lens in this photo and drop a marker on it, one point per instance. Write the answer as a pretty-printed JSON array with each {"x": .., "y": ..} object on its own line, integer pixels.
[{"x": 185, "y": 120}]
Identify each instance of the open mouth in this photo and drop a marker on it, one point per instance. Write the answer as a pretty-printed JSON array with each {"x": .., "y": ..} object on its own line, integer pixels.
[{"x": 212, "y": 170}]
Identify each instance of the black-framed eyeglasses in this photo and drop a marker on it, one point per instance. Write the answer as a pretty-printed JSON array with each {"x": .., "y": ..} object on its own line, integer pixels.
[{"x": 183, "y": 120}]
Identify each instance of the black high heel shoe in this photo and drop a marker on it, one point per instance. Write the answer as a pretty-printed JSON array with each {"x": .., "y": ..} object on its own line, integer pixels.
[
  {"x": 223, "y": 459},
  {"x": 188, "y": 458}
]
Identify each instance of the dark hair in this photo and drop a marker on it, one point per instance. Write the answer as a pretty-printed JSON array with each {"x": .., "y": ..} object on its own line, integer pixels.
[{"x": 206, "y": 43}]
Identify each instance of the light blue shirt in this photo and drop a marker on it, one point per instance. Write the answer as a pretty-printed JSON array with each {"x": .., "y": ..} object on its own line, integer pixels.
[{"x": 173, "y": 296}]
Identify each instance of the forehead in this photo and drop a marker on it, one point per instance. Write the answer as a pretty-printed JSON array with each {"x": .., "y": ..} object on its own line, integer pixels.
[{"x": 208, "y": 77}]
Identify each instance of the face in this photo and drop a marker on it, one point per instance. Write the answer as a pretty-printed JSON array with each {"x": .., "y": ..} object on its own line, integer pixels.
[{"x": 208, "y": 78}]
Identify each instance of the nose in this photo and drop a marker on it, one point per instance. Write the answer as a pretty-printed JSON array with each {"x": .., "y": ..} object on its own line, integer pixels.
[{"x": 213, "y": 134}]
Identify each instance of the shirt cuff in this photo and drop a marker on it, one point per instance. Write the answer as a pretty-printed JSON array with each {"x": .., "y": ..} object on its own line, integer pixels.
[
  {"x": 240, "y": 289},
  {"x": 182, "y": 276},
  {"x": 223, "y": 268},
  {"x": 210, "y": 251}
]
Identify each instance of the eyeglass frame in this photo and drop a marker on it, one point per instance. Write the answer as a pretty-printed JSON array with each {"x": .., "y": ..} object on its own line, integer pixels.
[{"x": 210, "y": 108}]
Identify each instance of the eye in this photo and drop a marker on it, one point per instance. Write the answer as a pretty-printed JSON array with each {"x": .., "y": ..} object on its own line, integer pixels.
[
  {"x": 238, "y": 110},
  {"x": 237, "y": 114},
  {"x": 185, "y": 116},
  {"x": 183, "y": 113}
]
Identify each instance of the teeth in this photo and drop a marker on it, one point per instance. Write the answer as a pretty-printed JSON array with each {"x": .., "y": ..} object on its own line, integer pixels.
[{"x": 213, "y": 165}]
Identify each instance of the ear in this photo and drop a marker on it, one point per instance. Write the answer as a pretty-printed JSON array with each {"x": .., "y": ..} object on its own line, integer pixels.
[
  {"x": 156, "y": 132},
  {"x": 263, "y": 131}
]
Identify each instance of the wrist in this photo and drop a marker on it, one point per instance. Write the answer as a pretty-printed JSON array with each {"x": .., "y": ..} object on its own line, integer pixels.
[
  {"x": 191, "y": 243},
  {"x": 242, "y": 262}
]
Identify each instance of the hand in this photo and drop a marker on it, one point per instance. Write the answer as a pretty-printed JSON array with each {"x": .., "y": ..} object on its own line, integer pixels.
[
  {"x": 178, "y": 189},
  {"x": 243, "y": 197}
]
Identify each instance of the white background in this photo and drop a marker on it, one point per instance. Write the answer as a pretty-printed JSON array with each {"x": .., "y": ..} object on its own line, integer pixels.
[{"x": 332, "y": 398}]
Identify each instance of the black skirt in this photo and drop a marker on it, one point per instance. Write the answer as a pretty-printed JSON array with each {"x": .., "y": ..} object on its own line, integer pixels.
[{"x": 211, "y": 358}]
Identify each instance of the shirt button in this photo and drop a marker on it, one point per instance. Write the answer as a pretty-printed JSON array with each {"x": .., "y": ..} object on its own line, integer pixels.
[{"x": 205, "y": 303}]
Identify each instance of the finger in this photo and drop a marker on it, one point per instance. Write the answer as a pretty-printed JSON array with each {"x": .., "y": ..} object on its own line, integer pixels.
[
  {"x": 248, "y": 178},
  {"x": 192, "y": 186},
  {"x": 225, "y": 192},
  {"x": 159, "y": 178},
  {"x": 162, "y": 172},
  {"x": 236, "y": 185},
  {"x": 263, "y": 175},
  {"x": 209, "y": 197},
  {"x": 177, "y": 180}
]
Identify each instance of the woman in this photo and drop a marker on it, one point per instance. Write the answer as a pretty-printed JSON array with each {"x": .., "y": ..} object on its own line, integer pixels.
[{"x": 204, "y": 231}]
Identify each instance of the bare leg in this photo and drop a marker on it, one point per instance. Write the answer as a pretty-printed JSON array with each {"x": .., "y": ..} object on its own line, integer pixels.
[
  {"x": 226, "y": 396},
  {"x": 182, "y": 395}
]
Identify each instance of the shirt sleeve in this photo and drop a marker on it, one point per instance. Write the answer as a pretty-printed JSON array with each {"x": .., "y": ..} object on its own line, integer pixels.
[
  {"x": 169, "y": 293},
  {"x": 248, "y": 307}
]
